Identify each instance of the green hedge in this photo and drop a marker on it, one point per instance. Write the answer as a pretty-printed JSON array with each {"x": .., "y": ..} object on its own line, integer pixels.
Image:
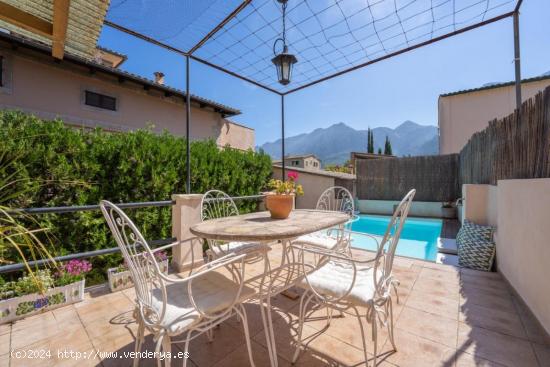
[{"x": 65, "y": 166}]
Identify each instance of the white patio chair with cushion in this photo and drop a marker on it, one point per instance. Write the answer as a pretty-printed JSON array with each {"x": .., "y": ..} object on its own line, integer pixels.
[
  {"x": 217, "y": 204},
  {"x": 177, "y": 309},
  {"x": 337, "y": 199},
  {"x": 341, "y": 283}
]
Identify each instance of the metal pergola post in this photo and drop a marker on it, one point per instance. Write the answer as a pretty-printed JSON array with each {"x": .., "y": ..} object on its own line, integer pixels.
[
  {"x": 283, "y": 136},
  {"x": 187, "y": 123},
  {"x": 517, "y": 62}
]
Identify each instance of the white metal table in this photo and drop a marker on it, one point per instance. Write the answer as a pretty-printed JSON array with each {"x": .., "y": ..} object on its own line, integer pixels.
[{"x": 260, "y": 227}]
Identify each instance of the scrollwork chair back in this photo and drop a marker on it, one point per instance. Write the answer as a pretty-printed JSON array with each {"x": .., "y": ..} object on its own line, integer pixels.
[
  {"x": 139, "y": 260},
  {"x": 336, "y": 199}
]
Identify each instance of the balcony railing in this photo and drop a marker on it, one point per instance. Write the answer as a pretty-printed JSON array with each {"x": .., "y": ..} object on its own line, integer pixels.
[{"x": 89, "y": 254}]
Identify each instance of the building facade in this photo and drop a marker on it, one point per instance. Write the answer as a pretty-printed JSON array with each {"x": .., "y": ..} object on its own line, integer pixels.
[
  {"x": 91, "y": 94},
  {"x": 463, "y": 113},
  {"x": 306, "y": 161}
]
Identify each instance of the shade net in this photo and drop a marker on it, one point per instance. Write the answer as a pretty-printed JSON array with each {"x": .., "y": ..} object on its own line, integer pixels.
[{"x": 327, "y": 36}]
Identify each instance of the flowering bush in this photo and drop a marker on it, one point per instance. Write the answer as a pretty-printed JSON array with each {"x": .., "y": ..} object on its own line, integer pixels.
[
  {"x": 42, "y": 280},
  {"x": 71, "y": 272},
  {"x": 286, "y": 187}
]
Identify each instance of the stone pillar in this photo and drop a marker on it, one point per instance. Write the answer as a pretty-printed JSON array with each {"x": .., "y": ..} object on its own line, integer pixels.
[{"x": 185, "y": 213}]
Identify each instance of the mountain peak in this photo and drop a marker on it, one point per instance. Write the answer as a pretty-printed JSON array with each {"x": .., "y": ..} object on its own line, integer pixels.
[
  {"x": 407, "y": 124},
  {"x": 334, "y": 143}
]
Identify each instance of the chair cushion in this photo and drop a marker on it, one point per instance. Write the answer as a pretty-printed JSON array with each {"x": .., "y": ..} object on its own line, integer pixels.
[
  {"x": 334, "y": 279},
  {"x": 476, "y": 248},
  {"x": 212, "y": 292},
  {"x": 238, "y": 247},
  {"x": 318, "y": 239}
]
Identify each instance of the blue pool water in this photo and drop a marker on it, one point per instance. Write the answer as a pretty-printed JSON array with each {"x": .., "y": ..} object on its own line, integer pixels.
[{"x": 418, "y": 238}]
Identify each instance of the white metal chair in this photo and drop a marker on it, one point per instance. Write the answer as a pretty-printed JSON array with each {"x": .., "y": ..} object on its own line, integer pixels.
[
  {"x": 217, "y": 204},
  {"x": 177, "y": 309},
  {"x": 337, "y": 199},
  {"x": 341, "y": 283}
]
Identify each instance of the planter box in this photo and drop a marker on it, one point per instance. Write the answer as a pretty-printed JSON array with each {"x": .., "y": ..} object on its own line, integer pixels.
[
  {"x": 119, "y": 280},
  {"x": 20, "y": 307}
]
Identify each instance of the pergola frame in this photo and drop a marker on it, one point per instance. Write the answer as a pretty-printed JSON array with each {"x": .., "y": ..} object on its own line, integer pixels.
[{"x": 188, "y": 55}]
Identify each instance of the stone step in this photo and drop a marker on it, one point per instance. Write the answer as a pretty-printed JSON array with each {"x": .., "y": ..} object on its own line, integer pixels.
[
  {"x": 447, "y": 259},
  {"x": 447, "y": 246}
]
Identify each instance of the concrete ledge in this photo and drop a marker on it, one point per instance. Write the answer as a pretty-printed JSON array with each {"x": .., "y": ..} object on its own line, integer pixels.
[
  {"x": 429, "y": 209},
  {"x": 446, "y": 259},
  {"x": 447, "y": 246}
]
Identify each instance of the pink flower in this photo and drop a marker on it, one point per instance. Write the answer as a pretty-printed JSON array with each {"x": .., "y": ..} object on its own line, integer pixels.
[
  {"x": 292, "y": 175},
  {"x": 76, "y": 267}
]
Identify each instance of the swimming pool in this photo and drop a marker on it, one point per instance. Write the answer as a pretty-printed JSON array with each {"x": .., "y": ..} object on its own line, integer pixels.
[{"x": 418, "y": 238}]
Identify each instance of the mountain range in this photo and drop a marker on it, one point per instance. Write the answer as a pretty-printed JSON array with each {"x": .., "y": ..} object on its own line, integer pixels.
[{"x": 332, "y": 145}]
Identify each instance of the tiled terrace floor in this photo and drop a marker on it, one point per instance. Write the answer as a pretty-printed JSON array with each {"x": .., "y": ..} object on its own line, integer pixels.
[{"x": 446, "y": 317}]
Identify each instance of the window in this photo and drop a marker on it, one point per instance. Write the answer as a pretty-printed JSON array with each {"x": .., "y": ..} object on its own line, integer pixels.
[{"x": 100, "y": 101}]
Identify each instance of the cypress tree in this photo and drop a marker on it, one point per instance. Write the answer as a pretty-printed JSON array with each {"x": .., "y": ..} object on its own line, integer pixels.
[{"x": 387, "y": 147}]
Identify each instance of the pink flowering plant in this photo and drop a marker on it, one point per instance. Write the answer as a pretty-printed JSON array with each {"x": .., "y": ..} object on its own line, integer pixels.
[
  {"x": 288, "y": 186},
  {"x": 72, "y": 271}
]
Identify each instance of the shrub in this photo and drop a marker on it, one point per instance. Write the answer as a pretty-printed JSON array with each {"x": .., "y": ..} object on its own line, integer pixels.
[{"x": 82, "y": 167}]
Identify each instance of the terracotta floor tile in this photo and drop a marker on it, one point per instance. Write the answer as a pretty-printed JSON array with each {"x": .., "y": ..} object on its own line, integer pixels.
[
  {"x": 492, "y": 319},
  {"x": 285, "y": 338},
  {"x": 255, "y": 324},
  {"x": 33, "y": 329},
  {"x": 346, "y": 328},
  {"x": 534, "y": 330},
  {"x": 226, "y": 340},
  {"x": 32, "y": 322},
  {"x": 435, "y": 304},
  {"x": 415, "y": 351},
  {"x": 431, "y": 297},
  {"x": 441, "y": 267},
  {"x": 437, "y": 288},
  {"x": 463, "y": 359},
  {"x": 444, "y": 276},
  {"x": 5, "y": 343},
  {"x": 543, "y": 354},
  {"x": 481, "y": 274},
  {"x": 75, "y": 341},
  {"x": 325, "y": 347},
  {"x": 481, "y": 298},
  {"x": 4, "y": 360},
  {"x": 113, "y": 353},
  {"x": 428, "y": 326},
  {"x": 491, "y": 285},
  {"x": 496, "y": 347},
  {"x": 239, "y": 357},
  {"x": 5, "y": 329},
  {"x": 104, "y": 331}
]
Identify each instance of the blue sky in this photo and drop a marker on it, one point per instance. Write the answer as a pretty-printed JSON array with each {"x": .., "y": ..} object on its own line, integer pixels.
[{"x": 402, "y": 88}]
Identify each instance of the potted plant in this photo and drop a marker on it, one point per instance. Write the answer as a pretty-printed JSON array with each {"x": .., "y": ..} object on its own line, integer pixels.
[
  {"x": 121, "y": 278},
  {"x": 448, "y": 210},
  {"x": 42, "y": 291},
  {"x": 280, "y": 200}
]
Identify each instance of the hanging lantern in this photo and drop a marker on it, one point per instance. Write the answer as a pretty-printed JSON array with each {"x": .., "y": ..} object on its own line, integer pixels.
[{"x": 284, "y": 61}]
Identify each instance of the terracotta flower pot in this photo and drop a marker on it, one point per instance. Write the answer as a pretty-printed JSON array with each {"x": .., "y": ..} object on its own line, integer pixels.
[{"x": 279, "y": 206}]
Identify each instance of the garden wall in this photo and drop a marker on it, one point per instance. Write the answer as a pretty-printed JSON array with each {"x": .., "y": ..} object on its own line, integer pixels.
[
  {"x": 60, "y": 166},
  {"x": 510, "y": 148},
  {"x": 434, "y": 178}
]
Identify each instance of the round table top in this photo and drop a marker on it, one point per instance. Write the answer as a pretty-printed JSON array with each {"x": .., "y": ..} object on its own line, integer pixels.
[{"x": 260, "y": 226}]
